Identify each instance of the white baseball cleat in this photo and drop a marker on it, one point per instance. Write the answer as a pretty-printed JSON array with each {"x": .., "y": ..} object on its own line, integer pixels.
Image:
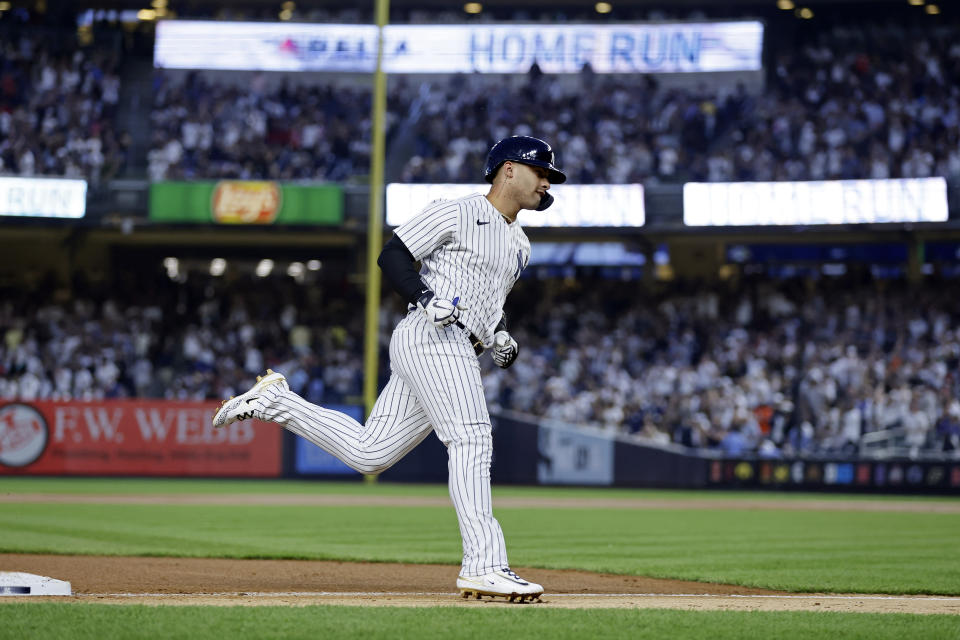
[
  {"x": 241, "y": 407},
  {"x": 500, "y": 583}
]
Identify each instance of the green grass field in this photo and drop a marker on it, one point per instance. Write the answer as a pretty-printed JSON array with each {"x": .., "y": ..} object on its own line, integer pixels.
[
  {"x": 786, "y": 549},
  {"x": 154, "y": 486},
  {"x": 108, "y": 622}
]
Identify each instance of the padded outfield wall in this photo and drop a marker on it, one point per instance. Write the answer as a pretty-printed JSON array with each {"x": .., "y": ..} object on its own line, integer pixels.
[{"x": 165, "y": 438}]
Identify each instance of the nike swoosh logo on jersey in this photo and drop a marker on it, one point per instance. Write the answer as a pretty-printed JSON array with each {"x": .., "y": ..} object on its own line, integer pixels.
[{"x": 483, "y": 222}]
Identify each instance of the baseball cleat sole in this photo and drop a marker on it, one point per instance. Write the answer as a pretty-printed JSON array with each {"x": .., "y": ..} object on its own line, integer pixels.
[{"x": 521, "y": 598}]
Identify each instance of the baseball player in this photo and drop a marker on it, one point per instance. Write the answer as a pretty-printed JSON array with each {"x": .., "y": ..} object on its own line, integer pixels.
[{"x": 472, "y": 251}]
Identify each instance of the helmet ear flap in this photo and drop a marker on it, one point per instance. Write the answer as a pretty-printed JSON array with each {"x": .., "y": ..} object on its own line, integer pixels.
[{"x": 492, "y": 172}]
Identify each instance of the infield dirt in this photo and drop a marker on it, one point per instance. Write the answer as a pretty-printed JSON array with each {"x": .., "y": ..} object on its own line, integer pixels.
[{"x": 227, "y": 582}]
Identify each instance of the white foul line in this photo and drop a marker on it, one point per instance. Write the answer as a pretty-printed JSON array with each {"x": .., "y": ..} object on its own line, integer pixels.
[
  {"x": 267, "y": 594},
  {"x": 745, "y": 595},
  {"x": 347, "y": 594}
]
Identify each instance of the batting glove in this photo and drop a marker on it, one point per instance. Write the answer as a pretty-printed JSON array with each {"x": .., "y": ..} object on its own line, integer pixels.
[
  {"x": 505, "y": 349},
  {"x": 440, "y": 312}
]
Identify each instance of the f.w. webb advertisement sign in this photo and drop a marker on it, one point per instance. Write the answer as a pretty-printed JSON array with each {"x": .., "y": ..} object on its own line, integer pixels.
[{"x": 132, "y": 437}]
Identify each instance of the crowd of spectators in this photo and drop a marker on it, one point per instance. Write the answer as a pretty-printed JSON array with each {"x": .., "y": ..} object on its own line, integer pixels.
[
  {"x": 776, "y": 369},
  {"x": 193, "y": 339},
  {"x": 863, "y": 102},
  {"x": 252, "y": 128},
  {"x": 605, "y": 128},
  {"x": 873, "y": 101},
  {"x": 58, "y": 105}
]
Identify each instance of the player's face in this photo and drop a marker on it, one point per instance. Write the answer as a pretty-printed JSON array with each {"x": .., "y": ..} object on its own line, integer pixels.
[{"x": 531, "y": 184}]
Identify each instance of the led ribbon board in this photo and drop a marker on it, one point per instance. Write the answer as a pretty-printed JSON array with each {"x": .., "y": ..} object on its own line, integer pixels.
[
  {"x": 593, "y": 205},
  {"x": 720, "y": 204},
  {"x": 43, "y": 198},
  {"x": 626, "y": 48}
]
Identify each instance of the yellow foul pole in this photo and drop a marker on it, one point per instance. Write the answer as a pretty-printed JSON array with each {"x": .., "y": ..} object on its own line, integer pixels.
[{"x": 375, "y": 218}]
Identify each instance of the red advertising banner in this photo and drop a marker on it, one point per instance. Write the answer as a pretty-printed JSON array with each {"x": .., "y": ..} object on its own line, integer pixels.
[{"x": 133, "y": 437}]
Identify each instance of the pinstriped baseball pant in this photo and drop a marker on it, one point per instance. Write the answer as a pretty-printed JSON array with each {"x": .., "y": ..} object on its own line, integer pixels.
[{"x": 434, "y": 385}]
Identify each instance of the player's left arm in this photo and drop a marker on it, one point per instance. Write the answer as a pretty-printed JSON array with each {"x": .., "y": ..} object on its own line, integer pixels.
[{"x": 505, "y": 348}]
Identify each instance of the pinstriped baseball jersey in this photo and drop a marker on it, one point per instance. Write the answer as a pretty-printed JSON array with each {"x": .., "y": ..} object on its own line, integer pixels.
[{"x": 468, "y": 249}]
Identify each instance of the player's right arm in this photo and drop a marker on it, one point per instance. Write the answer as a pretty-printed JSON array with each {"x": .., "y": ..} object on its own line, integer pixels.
[
  {"x": 430, "y": 229},
  {"x": 413, "y": 240},
  {"x": 397, "y": 264}
]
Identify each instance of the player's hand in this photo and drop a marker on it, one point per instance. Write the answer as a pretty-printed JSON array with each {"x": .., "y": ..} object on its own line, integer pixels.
[
  {"x": 440, "y": 312},
  {"x": 505, "y": 349}
]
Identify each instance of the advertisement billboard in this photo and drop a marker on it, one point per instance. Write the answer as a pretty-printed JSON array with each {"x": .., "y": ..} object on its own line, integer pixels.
[
  {"x": 624, "y": 48},
  {"x": 589, "y": 205},
  {"x": 874, "y": 253},
  {"x": 43, "y": 198},
  {"x": 586, "y": 254},
  {"x": 665, "y": 47},
  {"x": 246, "y": 202},
  {"x": 264, "y": 46},
  {"x": 818, "y": 475},
  {"x": 133, "y": 438},
  {"x": 822, "y": 202}
]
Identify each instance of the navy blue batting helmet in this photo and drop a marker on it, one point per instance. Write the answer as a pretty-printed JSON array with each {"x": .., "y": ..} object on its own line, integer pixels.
[{"x": 525, "y": 150}]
